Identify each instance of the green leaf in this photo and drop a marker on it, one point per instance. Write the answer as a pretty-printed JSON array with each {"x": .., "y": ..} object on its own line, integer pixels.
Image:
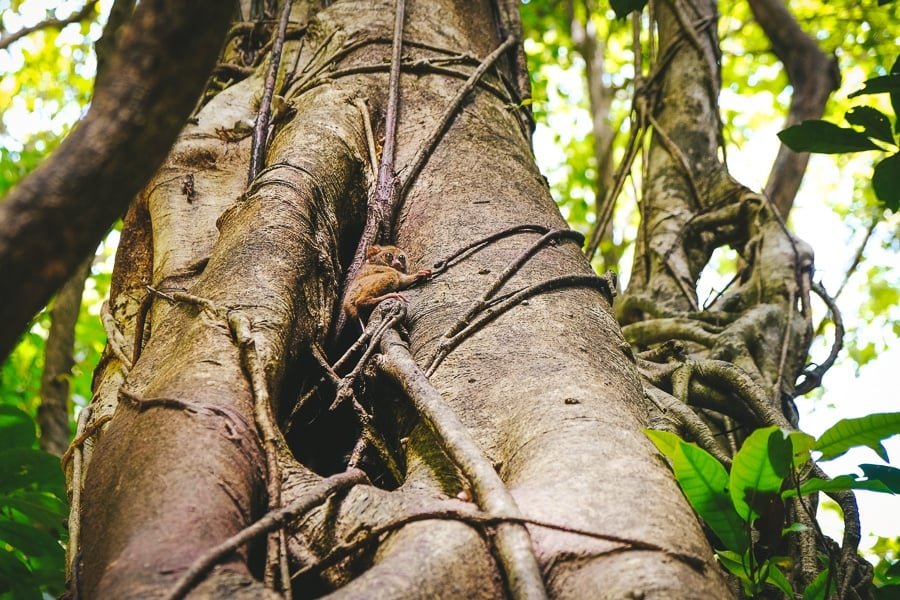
[
  {"x": 838, "y": 484},
  {"x": 40, "y": 507},
  {"x": 886, "y": 181},
  {"x": 734, "y": 563},
  {"x": 886, "y": 474},
  {"x": 777, "y": 578},
  {"x": 22, "y": 468},
  {"x": 16, "y": 428},
  {"x": 704, "y": 482},
  {"x": 758, "y": 470},
  {"x": 801, "y": 444},
  {"x": 825, "y": 138},
  {"x": 893, "y": 570},
  {"x": 27, "y": 539},
  {"x": 879, "y": 85},
  {"x": 624, "y": 7},
  {"x": 15, "y": 575},
  {"x": 665, "y": 441},
  {"x": 873, "y": 121},
  {"x": 816, "y": 589},
  {"x": 868, "y": 431},
  {"x": 795, "y": 528}
]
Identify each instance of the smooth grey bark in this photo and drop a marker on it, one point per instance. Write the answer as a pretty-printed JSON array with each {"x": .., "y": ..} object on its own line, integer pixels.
[{"x": 247, "y": 280}]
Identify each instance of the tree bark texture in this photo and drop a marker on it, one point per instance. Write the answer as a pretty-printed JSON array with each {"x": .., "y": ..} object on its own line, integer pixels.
[{"x": 243, "y": 286}]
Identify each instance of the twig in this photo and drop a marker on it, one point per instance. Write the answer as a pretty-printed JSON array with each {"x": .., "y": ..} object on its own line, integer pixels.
[
  {"x": 271, "y": 521},
  {"x": 509, "y": 301},
  {"x": 261, "y": 129},
  {"x": 83, "y": 434},
  {"x": 242, "y": 333},
  {"x": 115, "y": 340},
  {"x": 513, "y": 543},
  {"x": 857, "y": 257},
  {"x": 80, "y": 15},
  {"x": 74, "y": 522},
  {"x": 813, "y": 377},
  {"x": 450, "y": 112},
  {"x": 339, "y": 551},
  {"x": 379, "y": 205},
  {"x": 785, "y": 344},
  {"x": 360, "y": 105},
  {"x": 442, "y": 265},
  {"x": 511, "y": 270}
]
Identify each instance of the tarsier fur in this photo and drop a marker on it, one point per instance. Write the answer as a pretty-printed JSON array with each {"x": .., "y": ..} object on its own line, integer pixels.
[{"x": 381, "y": 277}]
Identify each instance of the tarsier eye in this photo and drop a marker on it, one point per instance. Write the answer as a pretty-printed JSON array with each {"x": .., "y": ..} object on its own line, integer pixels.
[{"x": 389, "y": 257}]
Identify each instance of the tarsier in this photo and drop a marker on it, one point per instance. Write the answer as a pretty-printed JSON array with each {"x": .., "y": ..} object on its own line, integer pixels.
[{"x": 382, "y": 276}]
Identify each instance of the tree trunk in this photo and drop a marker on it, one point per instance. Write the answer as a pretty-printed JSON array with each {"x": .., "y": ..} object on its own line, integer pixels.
[{"x": 184, "y": 444}]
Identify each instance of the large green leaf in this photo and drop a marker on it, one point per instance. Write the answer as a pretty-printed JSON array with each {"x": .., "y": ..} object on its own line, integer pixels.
[
  {"x": 735, "y": 564},
  {"x": 777, "y": 578},
  {"x": 838, "y": 484},
  {"x": 816, "y": 590},
  {"x": 895, "y": 95},
  {"x": 869, "y": 431},
  {"x": 25, "y": 468},
  {"x": 886, "y": 474},
  {"x": 873, "y": 121},
  {"x": 46, "y": 509},
  {"x": 27, "y": 539},
  {"x": 801, "y": 444},
  {"x": 704, "y": 482},
  {"x": 15, "y": 577},
  {"x": 665, "y": 441},
  {"x": 825, "y": 138},
  {"x": 16, "y": 428},
  {"x": 886, "y": 181},
  {"x": 879, "y": 85},
  {"x": 758, "y": 471}
]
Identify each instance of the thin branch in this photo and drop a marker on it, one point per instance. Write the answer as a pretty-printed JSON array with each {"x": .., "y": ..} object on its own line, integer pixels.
[
  {"x": 341, "y": 550},
  {"x": 370, "y": 135},
  {"x": 813, "y": 377},
  {"x": 378, "y": 208},
  {"x": 261, "y": 129},
  {"x": 511, "y": 270},
  {"x": 242, "y": 333},
  {"x": 271, "y": 521},
  {"x": 513, "y": 543},
  {"x": 505, "y": 303},
  {"x": 74, "y": 522},
  {"x": 75, "y": 17},
  {"x": 450, "y": 112},
  {"x": 857, "y": 257}
]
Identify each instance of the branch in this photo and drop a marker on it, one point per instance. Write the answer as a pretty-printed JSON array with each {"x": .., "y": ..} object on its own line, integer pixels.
[
  {"x": 261, "y": 129},
  {"x": 513, "y": 543},
  {"x": 273, "y": 520},
  {"x": 379, "y": 205},
  {"x": 81, "y": 15},
  {"x": 813, "y": 76},
  {"x": 57, "y": 215},
  {"x": 53, "y": 413}
]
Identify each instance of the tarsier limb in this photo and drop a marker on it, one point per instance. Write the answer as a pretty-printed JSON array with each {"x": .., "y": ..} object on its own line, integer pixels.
[{"x": 382, "y": 276}]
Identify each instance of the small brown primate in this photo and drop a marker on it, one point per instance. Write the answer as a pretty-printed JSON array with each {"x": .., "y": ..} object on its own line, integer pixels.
[{"x": 381, "y": 277}]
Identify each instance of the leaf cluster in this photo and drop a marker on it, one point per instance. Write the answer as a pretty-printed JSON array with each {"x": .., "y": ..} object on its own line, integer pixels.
[
  {"x": 745, "y": 508},
  {"x": 872, "y": 131},
  {"x": 33, "y": 511}
]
